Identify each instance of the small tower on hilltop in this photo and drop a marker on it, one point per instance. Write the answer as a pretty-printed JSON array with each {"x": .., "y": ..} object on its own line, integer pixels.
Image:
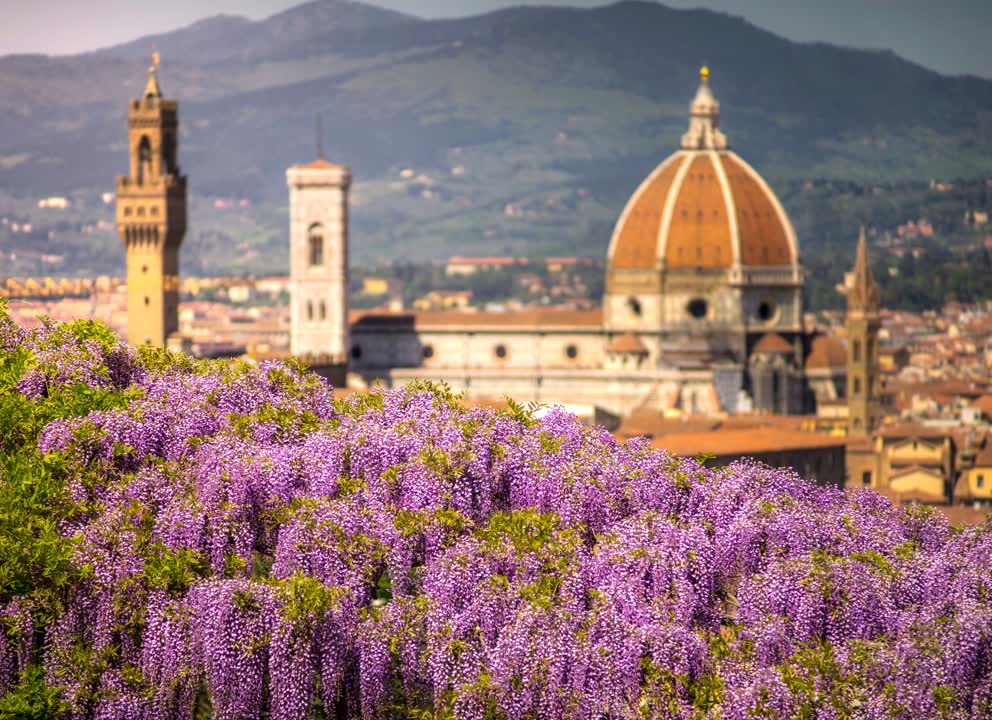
[
  {"x": 318, "y": 260},
  {"x": 151, "y": 215},
  {"x": 863, "y": 406}
]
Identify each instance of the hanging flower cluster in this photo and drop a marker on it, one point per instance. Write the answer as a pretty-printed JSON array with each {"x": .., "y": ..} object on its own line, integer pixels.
[{"x": 233, "y": 537}]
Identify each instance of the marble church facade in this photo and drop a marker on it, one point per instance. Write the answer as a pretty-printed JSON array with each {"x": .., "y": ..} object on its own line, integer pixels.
[{"x": 702, "y": 311}]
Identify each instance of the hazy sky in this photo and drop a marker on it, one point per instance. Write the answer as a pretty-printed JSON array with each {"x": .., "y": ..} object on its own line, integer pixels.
[{"x": 951, "y": 36}]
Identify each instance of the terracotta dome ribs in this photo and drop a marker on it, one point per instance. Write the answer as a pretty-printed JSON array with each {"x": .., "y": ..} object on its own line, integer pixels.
[
  {"x": 683, "y": 214},
  {"x": 763, "y": 237},
  {"x": 636, "y": 245},
  {"x": 699, "y": 231}
]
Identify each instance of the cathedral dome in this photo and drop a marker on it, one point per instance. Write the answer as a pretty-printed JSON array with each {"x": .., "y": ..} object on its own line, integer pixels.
[{"x": 703, "y": 207}]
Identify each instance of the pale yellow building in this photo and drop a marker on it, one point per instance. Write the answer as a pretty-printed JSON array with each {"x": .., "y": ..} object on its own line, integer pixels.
[{"x": 974, "y": 485}]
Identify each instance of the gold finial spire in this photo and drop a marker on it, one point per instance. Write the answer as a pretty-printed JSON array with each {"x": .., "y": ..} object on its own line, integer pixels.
[
  {"x": 152, "y": 90},
  {"x": 704, "y": 122}
]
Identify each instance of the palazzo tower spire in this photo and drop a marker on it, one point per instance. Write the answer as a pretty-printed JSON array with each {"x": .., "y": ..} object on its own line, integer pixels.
[{"x": 151, "y": 215}]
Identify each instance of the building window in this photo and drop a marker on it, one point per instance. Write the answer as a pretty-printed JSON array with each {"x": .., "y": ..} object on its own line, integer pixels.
[
  {"x": 500, "y": 351},
  {"x": 697, "y": 308},
  {"x": 428, "y": 352},
  {"x": 148, "y": 301},
  {"x": 144, "y": 159},
  {"x": 766, "y": 311},
  {"x": 856, "y": 351},
  {"x": 571, "y": 352},
  {"x": 857, "y": 386},
  {"x": 356, "y": 352},
  {"x": 323, "y": 310},
  {"x": 309, "y": 311},
  {"x": 980, "y": 481},
  {"x": 315, "y": 240},
  {"x": 635, "y": 306},
  {"x": 866, "y": 477}
]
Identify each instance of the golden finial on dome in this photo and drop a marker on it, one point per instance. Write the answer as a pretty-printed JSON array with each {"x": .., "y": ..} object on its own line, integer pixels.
[{"x": 704, "y": 73}]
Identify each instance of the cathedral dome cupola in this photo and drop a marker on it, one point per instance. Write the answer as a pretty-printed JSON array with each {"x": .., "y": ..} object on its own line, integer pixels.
[
  {"x": 704, "y": 121},
  {"x": 704, "y": 207}
]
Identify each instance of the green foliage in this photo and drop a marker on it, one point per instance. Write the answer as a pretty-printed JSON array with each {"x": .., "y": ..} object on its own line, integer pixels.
[
  {"x": 33, "y": 557},
  {"x": 174, "y": 571},
  {"x": 528, "y": 531},
  {"x": 305, "y": 600},
  {"x": 31, "y": 699},
  {"x": 526, "y": 414}
]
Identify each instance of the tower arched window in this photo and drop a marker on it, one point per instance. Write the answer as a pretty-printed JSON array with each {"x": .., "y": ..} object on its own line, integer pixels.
[
  {"x": 857, "y": 386},
  {"x": 144, "y": 158},
  {"x": 856, "y": 351},
  {"x": 323, "y": 310},
  {"x": 315, "y": 245},
  {"x": 309, "y": 311}
]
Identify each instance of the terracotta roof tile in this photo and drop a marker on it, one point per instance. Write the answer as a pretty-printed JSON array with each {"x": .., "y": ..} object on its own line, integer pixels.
[
  {"x": 628, "y": 343},
  {"x": 320, "y": 164},
  {"x": 744, "y": 442},
  {"x": 826, "y": 353},
  {"x": 984, "y": 404},
  {"x": 773, "y": 343}
]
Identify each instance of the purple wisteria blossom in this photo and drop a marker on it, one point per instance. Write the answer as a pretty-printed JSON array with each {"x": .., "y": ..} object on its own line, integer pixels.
[{"x": 236, "y": 534}]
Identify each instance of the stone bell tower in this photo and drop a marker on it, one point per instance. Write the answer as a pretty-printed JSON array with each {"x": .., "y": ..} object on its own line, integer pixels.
[
  {"x": 863, "y": 406},
  {"x": 318, "y": 258},
  {"x": 151, "y": 216}
]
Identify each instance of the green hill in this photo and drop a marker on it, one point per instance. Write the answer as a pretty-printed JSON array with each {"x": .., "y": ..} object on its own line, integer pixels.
[{"x": 526, "y": 129}]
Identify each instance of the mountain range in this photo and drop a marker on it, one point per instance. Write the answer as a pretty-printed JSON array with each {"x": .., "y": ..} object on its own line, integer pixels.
[{"x": 519, "y": 130}]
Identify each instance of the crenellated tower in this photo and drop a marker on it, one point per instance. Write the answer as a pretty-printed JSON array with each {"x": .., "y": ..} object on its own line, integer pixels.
[
  {"x": 863, "y": 406},
  {"x": 151, "y": 215}
]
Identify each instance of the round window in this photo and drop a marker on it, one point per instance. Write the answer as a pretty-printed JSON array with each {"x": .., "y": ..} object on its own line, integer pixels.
[
  {"x": 766, "y": 311},
  {"x": 428, "y": 352},
  {"x": 571, "y": 352},
  {"x": 500, "y": 351},
  {"x": 697, "y": 308},
  {"x": 635, "y": 306},
  {"x": 356, "y": 352}
]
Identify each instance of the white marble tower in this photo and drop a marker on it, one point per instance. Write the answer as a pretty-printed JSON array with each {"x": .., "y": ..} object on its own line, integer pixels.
[{"x": 318, "y": 261}]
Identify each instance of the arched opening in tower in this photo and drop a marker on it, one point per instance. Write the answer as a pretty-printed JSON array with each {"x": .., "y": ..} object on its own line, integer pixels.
[{"x": 144, "y": 159}]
